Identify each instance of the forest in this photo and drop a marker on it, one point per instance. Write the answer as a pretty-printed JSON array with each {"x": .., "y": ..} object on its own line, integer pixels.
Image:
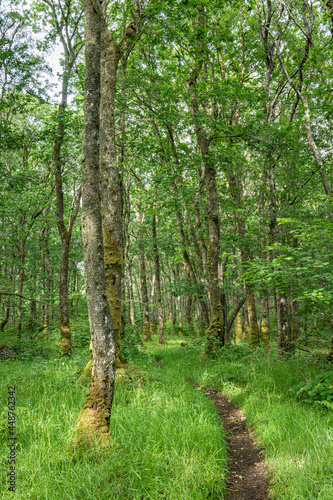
[{"x": 166, "y": 257}]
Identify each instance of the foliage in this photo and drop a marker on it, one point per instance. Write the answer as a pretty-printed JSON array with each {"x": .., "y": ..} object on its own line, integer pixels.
[{"x": 316, "y": 391}]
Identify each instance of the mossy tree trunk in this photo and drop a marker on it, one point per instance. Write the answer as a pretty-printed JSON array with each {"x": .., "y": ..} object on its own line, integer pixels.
[
  {"x": 253, "y": 330},
  {"x": 6, "y": 309},
  {"x": 111, "y": 186},
  {"x": 145, "y": 317},
  {"x": 265, "y": 321},
  {"x": 283, "y": 325},
  {"x": 68, "y": 34},
  {"x": 20, "y": 289},
  {"x": 111, "y": 53},
  {"x": 215, "y": 331},
  {"x": 94, "y": 418},
  {"x": 158, "y": 282},
  {"x": 238, "y": 329}
]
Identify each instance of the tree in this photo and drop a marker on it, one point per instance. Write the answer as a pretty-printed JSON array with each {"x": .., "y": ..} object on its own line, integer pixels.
[{"x": 94, "y": 418}]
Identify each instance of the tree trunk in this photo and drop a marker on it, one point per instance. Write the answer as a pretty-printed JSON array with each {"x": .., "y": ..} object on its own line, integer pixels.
[
  {"x": 111, "y": 186},
  {"x": 265, "y": 321},
  {"x": 158, "y": 283},
  {"x": 283, "y": 324},
  {"x": 189, "y": 315},
  {"x": 153, "y": 316},
  {"x": 238, "y": 329},
  {"x": 20, "y": 289},
  {"x": 6, "y": 309},
  {"x": 253, "y": 331},
  {"x": 143, "y": 281},
  {"x": 130, "y": 296},
  {"x": 94, "y": 418},
  {"x": 65, "y": 330},
  {"x": 246, "y": 321},
  {"x": 215, "y": 332},
  {"x": 65, "y": 234}
]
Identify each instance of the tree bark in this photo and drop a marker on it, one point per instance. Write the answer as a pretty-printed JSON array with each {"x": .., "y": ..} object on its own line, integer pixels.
[
  {"x": 215, "y": 332},
  {"x": 20, "y": 287},
  {"x": 158, "y": 283},
  {"x": 143, "y": 281},
  {"x": 265, "y": 321},
  {"x": 94, "y": 418},
  {"x": 71, "y": 54},
  {"x": 111, "y": 185},
  {"x": 235, "y": 317},
  {"x": 6, "y": 309}
]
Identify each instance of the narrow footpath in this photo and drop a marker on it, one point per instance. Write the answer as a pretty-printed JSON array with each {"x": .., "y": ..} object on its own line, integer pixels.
[{"x": 248, "y": 478}]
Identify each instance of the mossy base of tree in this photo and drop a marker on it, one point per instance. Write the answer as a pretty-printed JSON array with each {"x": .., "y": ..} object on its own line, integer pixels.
[
  {"x": 93, "y": 424},
  {"x": 214, "y": 336}
]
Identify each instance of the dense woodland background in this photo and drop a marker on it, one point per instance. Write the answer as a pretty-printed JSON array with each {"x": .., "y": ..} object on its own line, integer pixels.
[{"x": 247, "y": 85}]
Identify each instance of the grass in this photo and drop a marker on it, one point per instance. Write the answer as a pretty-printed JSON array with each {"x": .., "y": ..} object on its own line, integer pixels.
[
  {"x": 298, "y": 439},
  {"x": 159, "y": 427},
  {"x": 166, "y": 440}
]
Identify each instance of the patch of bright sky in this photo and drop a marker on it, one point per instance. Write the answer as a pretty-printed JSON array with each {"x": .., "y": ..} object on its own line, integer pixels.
[{"x": 52, "y": 57}]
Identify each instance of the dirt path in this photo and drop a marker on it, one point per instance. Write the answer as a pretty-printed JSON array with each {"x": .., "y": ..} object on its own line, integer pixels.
[{"x": 247, "y": 478}]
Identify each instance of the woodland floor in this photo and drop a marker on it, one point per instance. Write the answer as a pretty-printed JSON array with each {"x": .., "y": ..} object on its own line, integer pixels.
[{"x": 247, "y": 479}]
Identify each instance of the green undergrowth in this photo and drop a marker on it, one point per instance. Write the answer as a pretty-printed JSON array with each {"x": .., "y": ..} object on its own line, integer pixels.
[
  {"x": 166, "y": 441},
  {"x": 297, "y": 436}
]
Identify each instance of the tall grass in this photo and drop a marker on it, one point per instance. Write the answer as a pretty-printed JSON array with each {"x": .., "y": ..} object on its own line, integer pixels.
[
  {"x": 166, "y": 440},
  {"x": 158, "y": 449},
  {"x": 297, "y": 439}
]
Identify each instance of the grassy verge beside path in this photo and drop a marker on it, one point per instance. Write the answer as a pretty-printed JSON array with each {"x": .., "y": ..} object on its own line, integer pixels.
[
  {"x": 166, "y": 441},
  {"x": 298, "y": 439}
]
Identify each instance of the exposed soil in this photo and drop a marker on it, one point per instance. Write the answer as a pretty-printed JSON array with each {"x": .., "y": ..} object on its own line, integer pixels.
[{"x": 248, "y": 479}]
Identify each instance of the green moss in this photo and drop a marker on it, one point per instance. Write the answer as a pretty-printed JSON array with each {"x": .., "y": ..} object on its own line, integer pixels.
[
  {"x": 94, "y": 421},
  {"x": 146, "y": 333},
  {"x": 214, "y": 336},
  {"x": 66, "y": 341}
]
